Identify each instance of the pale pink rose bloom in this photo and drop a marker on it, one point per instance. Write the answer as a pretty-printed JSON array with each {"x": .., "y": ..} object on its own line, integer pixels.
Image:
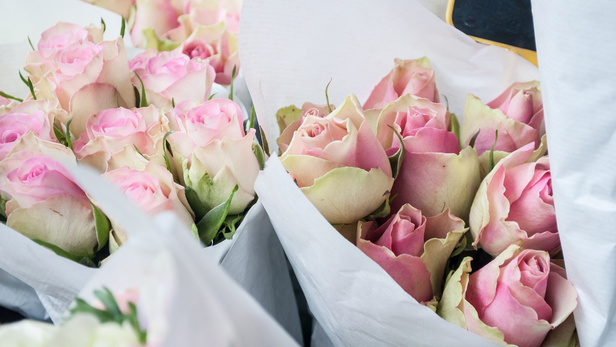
[
  {"x": 153, "y": 190},
  {"x": 55, "y": 40},
  {"x": 159, "y": 15},
  {"x": 29, "y": 116},
  {"x": 514, "y": 204},
  {"x": 212, "y": 153},
  {"x": 203, "y": 123},
  {"x": 45, "y": 203},
  {"x": 171, "y": 76},
  {"x": 413, "y": 249},
  {"x": 86, "y": 78},
  {"x": 216, "y": 44},
  {"x": 308, "y": 109},
  {"x": 517, "y": 114},
  {"x": 339, "y": 150},
  {"x": 111, "y": 133},
  {"x": 414, "y": 77},
  {"x": 434, "y": 174},
  {"x": 516, "y": 299}
]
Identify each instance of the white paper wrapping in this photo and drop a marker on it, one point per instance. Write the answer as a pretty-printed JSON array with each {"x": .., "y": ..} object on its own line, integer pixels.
[
  {"x": 185, "y": 299},
  {"x": 291, "y": 49},
  {"x": 576, "y": 49}
]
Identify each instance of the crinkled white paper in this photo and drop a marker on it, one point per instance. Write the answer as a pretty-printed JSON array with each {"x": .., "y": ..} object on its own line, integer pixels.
[
  {"x": 291, "y": 49},
  {"x": 576, "y": 50}
]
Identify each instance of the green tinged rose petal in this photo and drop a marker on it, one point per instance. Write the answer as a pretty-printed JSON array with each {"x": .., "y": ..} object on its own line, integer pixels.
[{"x": 345, "y": 195}]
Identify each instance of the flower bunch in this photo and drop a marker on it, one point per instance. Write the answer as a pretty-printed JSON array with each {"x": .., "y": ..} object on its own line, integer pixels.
[
  {"x": 402, "y": 180},
  {"x": 148, "y": 125}
]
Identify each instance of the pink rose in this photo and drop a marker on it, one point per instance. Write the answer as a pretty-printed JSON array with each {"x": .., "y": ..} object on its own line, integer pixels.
[
  {"x": 434, "y": 174},
  {"x": 172, "y": 75},
  {"x": 516, "y": 299},
  {"x": 153, "y": 190},
  {"x": 517, "y": 114},
  {"x": 413, "y": 249},
  {"x": 86, "y": 77},
  {"x": 414, "y": 77},
  {"x": 55, "y": 40},
  {"x": 29, "y": 116},
  {"x": 216, "y": 44},
  {"x": 212, "y": 154},
  {"x": 339, "y": 165},
  {"x": 44, "y": 202},
  {"x": 514, "y": 204},
  {"x": 159, "y": 15},
  {"x": 112, "y": 132},
  {"x": 286, "y": 116}
]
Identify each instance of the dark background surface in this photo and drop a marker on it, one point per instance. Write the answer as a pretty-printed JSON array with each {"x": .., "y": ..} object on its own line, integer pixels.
[{"x": 504, "y": 21}]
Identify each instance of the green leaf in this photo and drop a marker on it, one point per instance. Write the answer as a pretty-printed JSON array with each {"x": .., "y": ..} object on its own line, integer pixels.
[
  {"x": 461, "y": 247},
  {"x": 327, "y": 96},
  {"x": 69, "y": 142},
  {"x": 264, "y": 139},
  {"x": 123, "y": 27},
  {"x": 102, "y": 227},
  {"x": 258, "y": 151},
  {"x": 104, "y": 25},
  {"x": 232, "y": 80},
  {"x": 251, "y": 120},
  {"x": 11, "y": 97},
  {"x": 167, "y": 149},
  {"x": 230, "y": 226},
  {"x": 381, "y": 211},
  {"x": 396, "y": 160},
  {"x": 137, "y": 96},
  {"x": 108, "y": 300},
  {"x": 173, "y": 102},
  {"x": 81, "y": 306},
  {"x": 210, "y": 224},
  {"x": 31, "y": 45},
  {"x": 211, "y": 96},
  {"x": 195, "y": 203},
  {"x": 134, "y": 322},
  {"x": 59, "y": 133},
  {"x": 473, "y": 139},
  {"x": 117, "y": 99},
  {"x": 492, "y": 152},
  {"x": 28, "y": 83},
  {"x": 81, "y": 259},
  {"x": 287, "y": 115},
  {"x": 144, "y": 100},
  {"x": 454, "y": 125},
  {"x": 2, "y": 210}
]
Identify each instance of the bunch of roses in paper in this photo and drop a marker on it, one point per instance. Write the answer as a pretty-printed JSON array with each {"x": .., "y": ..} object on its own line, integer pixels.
[
  {"x": 149, "y": 125},
  {"x": 404, "y": 181}
]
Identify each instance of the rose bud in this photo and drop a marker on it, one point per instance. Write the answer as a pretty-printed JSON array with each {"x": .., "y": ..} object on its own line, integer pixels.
[
  {"x": 515, "y": 299},
  {"x": 517, "y": 114},
  {"x": 413, "y": 249},
  {"x": 339, "y": 164},
  {"x": 414, "y": 77},
  {"x": 172, "y": 76},
  {"x": 44, "y": 202},
  {"x": 153, "y": 190},
  {"x": 112, "y": 135},
  {"x": 434, "y": 174},
  {"x": 285, "y": 114},
  {"x": 212, "y": 154},
  {"x": 514, "y": 204}
]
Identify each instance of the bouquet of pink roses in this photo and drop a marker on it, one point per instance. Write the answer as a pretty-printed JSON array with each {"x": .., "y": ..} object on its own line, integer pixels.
[
  {"x": 150, "y": 125},
  {"x": 204, "y": 29},
  {"x": 486, "y": 173}
]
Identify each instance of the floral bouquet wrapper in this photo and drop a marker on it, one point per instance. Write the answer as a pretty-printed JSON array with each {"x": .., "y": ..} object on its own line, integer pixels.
[
  {"x": 182, "y": 298},
  {"x": 291, "y": 51},
  {"x": 40, "y": 284}
]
